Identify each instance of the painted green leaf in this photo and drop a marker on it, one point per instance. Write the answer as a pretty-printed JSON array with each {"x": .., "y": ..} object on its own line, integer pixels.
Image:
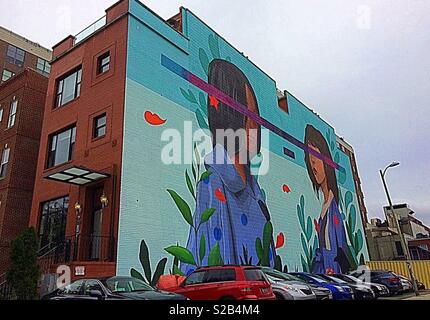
[
  {"x": 203, "y": 103},
  {"x": 201, "y": 120},
  {"x": 185, "y": 94},
  {"x": 207, "y": 214},
  {"x": 189, "y": 184},
  {"x": 359, "y": 237},
  {"x": 301, "y": 217},
  {"x": 202, "y": 248},
  {"x": 178, "y": 271},
  {"x": 304, "y": 264},
  {"x": 144, "y": 260},
  {"x": 309, "y": 229},
  {"x": 159, "y": 271},
  {"x": 278, "y": 263},
  {"x": 259, "y": 248},
  {"x": 336, "y": 157},
  {"x": 182, "y": 206},
  {"x": 197, "y": 155},
  {"x": 267, "y": 234},
  {"x": 189, "y": 95},
  {"x": 205, "y": 175},
  {"x": 348, "y": 198},
  {"x": 302, "y": 203},
  {"x": 204, "y": 60},
  {"x": 304, "y": 245},
  {"x": 228, "y": 59},
  {"x": 183, "y": 254},
  {"x": 193, "y": 169},
  {"x": 214, "y": 258},
  {"x": 315, "y": 246},
  {"x": 136, "y": 274},
  {"x": 362, "y": 262},
  {"x": 214, "y": 46},
  {"x": 352, "y": 217},
  {"x": 341, "y": 176}
]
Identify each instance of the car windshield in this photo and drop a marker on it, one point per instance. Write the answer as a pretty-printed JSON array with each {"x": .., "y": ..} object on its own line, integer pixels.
[
  {"x": 332, "y": 279},
  {"x": 318, "y": 278},
  {"x": 126, "y": 284},
  {"x": 277, "y": 275}
]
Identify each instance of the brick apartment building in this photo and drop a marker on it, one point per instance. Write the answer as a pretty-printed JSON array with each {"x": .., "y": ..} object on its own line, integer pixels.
[
  {"x": 18, "y": 53},
  {"x": 22, "y": 101},
  {"x": 24, "y": 69},
  {"x": 100, "y": 187}
]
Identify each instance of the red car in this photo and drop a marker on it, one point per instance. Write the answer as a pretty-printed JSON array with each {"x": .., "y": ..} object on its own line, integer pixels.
[{"x": 225, "y": 283}]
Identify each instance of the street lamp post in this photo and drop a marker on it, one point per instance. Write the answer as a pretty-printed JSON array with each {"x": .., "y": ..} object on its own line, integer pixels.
[{"x": 399, "y": 230}]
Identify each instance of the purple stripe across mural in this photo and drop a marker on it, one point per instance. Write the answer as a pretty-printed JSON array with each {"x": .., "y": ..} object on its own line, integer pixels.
[{"x": 221, "y": 96}]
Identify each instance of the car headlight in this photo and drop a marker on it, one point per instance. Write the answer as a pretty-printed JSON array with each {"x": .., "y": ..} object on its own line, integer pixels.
[
  {"x": 288, "y": 287},
  {"x": 339, "y": 288}
]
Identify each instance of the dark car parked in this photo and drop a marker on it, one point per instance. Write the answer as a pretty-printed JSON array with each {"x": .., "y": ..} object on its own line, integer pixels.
[
  {"x": 339, "y": 292},
  {"x": 379, "y": 289},
  {"x": 361, "y": 292},
  {"x": 387, "y": 278},
  {"x": 114, "y": 288}
]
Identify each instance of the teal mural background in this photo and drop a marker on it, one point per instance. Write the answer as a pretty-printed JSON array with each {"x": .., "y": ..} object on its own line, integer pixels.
[{"x": 146, "y": 209}]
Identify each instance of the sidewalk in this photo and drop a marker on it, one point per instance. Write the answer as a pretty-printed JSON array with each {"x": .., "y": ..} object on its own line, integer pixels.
[{"x": 423, "y": 296}]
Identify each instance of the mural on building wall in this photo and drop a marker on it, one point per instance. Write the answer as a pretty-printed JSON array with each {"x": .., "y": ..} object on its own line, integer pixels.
[{"x": 301, "y": 215}]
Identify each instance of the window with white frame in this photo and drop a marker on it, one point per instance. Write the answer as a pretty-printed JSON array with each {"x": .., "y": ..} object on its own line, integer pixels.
[
  {"x": 4, "y": 162},
  {"x": 12, "y": 113},
  {"x": 6, "y": 75},
  {"x": 1, "y": 113}
]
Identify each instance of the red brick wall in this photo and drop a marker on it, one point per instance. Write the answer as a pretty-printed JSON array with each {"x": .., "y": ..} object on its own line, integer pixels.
[
  {"x": 99, "y": 94},
  {"x": 16, "y": 189}
]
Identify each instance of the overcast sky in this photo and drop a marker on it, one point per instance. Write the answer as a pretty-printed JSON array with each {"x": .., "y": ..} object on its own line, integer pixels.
[{"x": 364, "y": 66}]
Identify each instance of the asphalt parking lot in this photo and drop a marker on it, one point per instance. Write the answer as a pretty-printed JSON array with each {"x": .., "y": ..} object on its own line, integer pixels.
[{"x": 424, "y": 295}]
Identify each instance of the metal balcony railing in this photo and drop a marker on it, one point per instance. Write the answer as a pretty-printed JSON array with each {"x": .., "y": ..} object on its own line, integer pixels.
[{"x": 90, "y": 30}]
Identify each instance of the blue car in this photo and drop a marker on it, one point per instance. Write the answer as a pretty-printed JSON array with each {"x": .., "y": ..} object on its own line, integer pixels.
[
  {"x": 385, "y": 277},
  {"x": 340, "y": 292}
]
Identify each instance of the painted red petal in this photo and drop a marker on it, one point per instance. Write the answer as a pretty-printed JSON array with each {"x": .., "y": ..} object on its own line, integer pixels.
[
  {"x": 286, "y": 188},
  {"x": 153, "y": 119},
  {"x": 336, "y": 220},
  {"x": 220, "y": 196},
  {"x": 317, "y": 225},
  {"x": 213, "y": 102},
  {"x": 280, "y": 240}
]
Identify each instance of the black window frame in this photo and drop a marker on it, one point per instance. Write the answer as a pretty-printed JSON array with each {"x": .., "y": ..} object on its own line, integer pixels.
[
  {"x": 46, "y": 216},
  {"x": 14, "y": 58},
  {"x": 97, "y": 126},
  {"x": 4, "y": 166},
  {"x": 50, "y": 163},
  {"x": 102, "y": 65},
  {"x": 59, "y": 102}
]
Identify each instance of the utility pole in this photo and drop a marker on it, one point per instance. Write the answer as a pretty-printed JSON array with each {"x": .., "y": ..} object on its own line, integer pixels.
[{"x": 399, "y": 230}]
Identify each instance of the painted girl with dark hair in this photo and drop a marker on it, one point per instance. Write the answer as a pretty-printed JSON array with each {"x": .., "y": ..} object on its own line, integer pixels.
[
  {"x": 333, "y": 254},
  {"x": 240, "y": 209}
]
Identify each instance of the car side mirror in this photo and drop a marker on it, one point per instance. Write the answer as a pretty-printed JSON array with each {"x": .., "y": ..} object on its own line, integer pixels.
[{"x": 96, "y": 294}]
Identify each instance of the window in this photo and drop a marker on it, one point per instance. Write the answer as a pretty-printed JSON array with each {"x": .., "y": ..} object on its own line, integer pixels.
[
  {"x": 254, "y": 275},
  {"x": 43, "y": 66},
  {"x": 195, "y": 278},
  {"x": 91, "y": 285},
  {"x": 68, "y": 87},
  {"x": 103, "y": 63},
  {"x": 52, "y": 227},
  {"x": 399, "y": 248},
  {"x": 61, "y": 146},
  {"x": 1, "y": 113},
  {"x": 12, "y": 113},
  {"x": 220, "y": 275},
  {"x": 99, "y": 126},
  {"x": 15, "y": 55},
  {"x": 74, "y": 288},
  {"x": 4, "y": 162},
  {"x": 7, "y": 75}
]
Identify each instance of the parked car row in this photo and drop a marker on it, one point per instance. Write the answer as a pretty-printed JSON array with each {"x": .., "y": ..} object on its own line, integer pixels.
[{"x": 233, "y": 282}]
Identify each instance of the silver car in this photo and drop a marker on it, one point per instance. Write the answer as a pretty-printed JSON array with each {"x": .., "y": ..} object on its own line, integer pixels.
[{"x": 286, "y": 287}]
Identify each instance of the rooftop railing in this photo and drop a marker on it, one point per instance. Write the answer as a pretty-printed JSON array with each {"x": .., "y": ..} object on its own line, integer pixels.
[{"x": 88, "y": 31}]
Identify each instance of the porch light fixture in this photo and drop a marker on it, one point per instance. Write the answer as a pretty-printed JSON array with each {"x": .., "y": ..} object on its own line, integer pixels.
[
  {"x": 104, "y": 200},
  {"x": 78, "y": 207}
]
